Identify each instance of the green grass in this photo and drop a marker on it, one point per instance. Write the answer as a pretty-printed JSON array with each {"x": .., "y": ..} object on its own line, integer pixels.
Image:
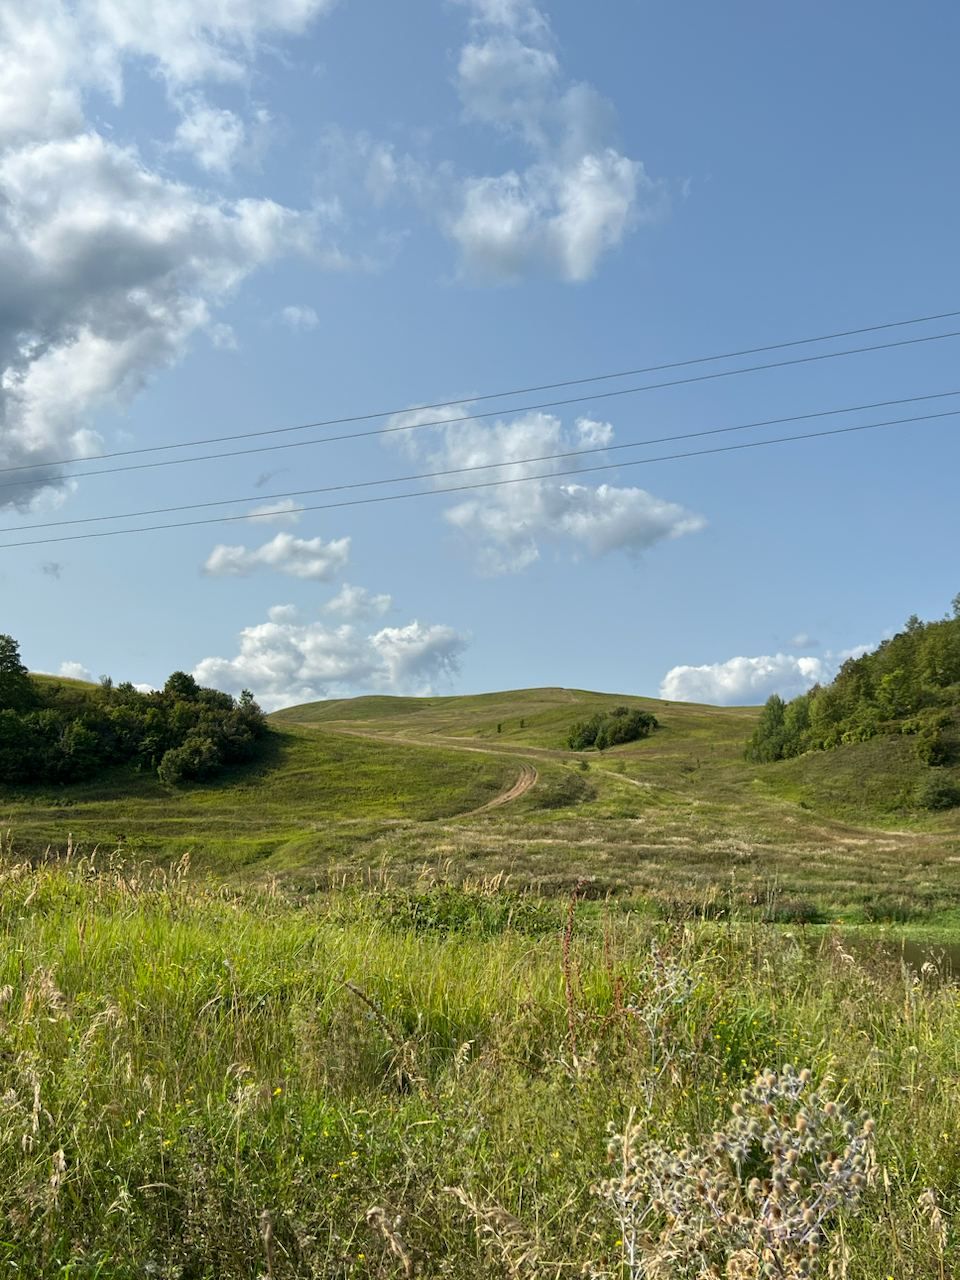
[
  {"x": 177, "y": 1061},
  {"x": 314, "y": 795},
  {"x": 679, "y": 819}
]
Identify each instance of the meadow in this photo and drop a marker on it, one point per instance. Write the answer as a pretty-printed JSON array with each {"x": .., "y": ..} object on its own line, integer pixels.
[
  {"x": 679, "y": 822},
  {"x": 200, "y": 1081}
]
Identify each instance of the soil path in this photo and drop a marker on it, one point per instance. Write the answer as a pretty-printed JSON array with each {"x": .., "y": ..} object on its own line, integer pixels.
[{"x": 527, "y": 779}]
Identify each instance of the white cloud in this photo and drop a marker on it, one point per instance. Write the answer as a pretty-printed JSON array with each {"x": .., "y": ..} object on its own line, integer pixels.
[
  {"x": 299, "y": 318},
  {"x": 108, "y": 269},
  {"x": 509, "y": 524},
  {"x": 310, "y": 558},
  {"x": 283, "y": 613},
  {"x": 108, "y": 266},
  {"x": 802, "y": 640},
  {"x": 285, "y": 662},
  {"x": 740, "y": 681},
  {"x": 194, "y": 40},
  {"x": 214, "y": 136},
  {"x": 280, "y": 511},
  {"x": 512, "y": 15},
  {"x": 75, "y": 671},
  {"x": 578, "y": 196},
  {"x": 355, "y": 603}
]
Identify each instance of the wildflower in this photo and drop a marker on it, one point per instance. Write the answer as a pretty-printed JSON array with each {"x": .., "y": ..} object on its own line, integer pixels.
[{"x": 680, "y": 1214}]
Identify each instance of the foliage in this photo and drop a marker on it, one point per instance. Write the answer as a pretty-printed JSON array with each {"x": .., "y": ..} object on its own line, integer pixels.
[
  {"x": 59, "y": 733},
  {"x": 611, "y": 728},
  {"x": 937, "y": 793},
  {"x": 16, "y": 690},
  {"x": 216, "y": 1085},
  {"x": 908, "y": 684}
]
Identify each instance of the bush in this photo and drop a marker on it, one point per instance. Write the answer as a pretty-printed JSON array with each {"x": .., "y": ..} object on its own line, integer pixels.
[
  {"x": 937, "y": 794},
  {"x": 617, "y": 726},
  {"x": 61, "y": 733},
  {"x": 560, "y": 793}
]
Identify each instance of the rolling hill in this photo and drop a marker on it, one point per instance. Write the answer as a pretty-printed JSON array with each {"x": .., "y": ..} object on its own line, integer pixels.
[{"x": 484, "y": 784}]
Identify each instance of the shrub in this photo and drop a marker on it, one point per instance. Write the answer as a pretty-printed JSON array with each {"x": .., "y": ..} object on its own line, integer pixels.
[
  {"x": 617, "y": 726},
  {"x": 937, "y": 793}
]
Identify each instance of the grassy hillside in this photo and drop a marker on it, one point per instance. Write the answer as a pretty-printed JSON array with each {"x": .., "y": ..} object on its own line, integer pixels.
[
  {"x": 218, "y": 1086},
  {"x": 679, "y": 818}
]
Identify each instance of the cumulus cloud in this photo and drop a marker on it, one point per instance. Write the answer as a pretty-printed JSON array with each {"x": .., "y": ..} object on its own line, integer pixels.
[
  {"x": 110, "y": 267},
  {"x": 108, "y": 270},
  {"x": 75, "y": 671},
  {"x": 508, "y": 525},
  {"x": 578, "y": 195},
  {"x": 284, "y": 661},
  {"x": 742, "y": 681},
  {"x": 802, "y": 640},
  {"x": 356, "y": 603},
  {"x": 214, "y": 136},
  {"x": 310, "y": 558}
]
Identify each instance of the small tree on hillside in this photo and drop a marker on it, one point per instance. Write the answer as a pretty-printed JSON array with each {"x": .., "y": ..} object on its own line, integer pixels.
[{"x": 16, "y": 688}]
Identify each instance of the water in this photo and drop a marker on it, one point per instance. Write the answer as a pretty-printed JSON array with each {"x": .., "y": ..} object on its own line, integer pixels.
[{"x": 913, "y": 952}]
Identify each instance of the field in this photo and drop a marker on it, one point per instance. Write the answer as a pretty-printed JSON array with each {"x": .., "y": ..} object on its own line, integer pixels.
[
  {"x": 381, "y": 1005},
  {"x": 678, "y": 822},
  {"x": 211, "y": 1084}
]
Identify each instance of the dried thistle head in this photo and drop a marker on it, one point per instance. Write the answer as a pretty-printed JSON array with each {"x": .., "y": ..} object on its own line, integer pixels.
[{"x": 759, "y": 1197}]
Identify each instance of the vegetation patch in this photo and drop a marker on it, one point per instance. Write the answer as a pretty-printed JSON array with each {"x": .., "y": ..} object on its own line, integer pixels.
[
  {"x": 52, "y": 732},
  {"x": 610, "y": 729},
  {"x": 210, "y": 1085}
]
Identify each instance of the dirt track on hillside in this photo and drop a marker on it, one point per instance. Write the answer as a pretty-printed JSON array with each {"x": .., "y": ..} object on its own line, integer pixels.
[{"x": 527, "y": 779}]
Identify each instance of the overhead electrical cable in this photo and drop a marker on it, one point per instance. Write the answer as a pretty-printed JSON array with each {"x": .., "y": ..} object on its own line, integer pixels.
[
  {"x": 499, "y": 395},
  {"x": 485, "y": 484},
  {"x": 489, "y": 466},
  {"x": 472, "y": 417}
]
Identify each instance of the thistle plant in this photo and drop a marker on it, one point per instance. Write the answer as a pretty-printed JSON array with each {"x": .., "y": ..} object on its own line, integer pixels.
[{"x": 758, "y": 1199}]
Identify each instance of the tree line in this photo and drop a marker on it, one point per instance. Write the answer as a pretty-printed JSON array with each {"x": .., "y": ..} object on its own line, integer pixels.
[
  {"x": 52, "y": 732},
  {"x": 909, "y": 684}
]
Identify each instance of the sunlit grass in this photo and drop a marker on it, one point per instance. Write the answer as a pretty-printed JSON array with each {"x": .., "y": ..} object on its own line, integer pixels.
[{"x": 178, "y": 1060}]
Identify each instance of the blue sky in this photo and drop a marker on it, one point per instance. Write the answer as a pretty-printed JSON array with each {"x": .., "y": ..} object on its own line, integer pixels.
[{"x": 223, "y": 218}]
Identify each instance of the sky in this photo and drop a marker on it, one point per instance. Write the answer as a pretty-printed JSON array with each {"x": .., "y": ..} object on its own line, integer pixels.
[{"x": 220, "y": 218}]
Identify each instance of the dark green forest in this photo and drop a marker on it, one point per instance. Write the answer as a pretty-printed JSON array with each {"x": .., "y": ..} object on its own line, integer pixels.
[
  {"x": 55, "y": 732},
  {"x": 910, "y": 684}
]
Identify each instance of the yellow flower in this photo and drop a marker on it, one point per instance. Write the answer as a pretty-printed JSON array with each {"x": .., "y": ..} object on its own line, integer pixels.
[{"x": 277, "y": 1091}]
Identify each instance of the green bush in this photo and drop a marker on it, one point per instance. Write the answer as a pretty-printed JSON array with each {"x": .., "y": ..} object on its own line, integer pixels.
[
  {"x": 62, "y": 733},
  {"x": 937, "y": 793},
  {"x": 609, "y": 730}
]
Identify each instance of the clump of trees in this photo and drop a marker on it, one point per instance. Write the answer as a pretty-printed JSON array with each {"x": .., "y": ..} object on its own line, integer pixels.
[
  {"x": 608, "y": 729},
  {"x": 910, "y": 684},
  {"x": 55, "y": 733}
]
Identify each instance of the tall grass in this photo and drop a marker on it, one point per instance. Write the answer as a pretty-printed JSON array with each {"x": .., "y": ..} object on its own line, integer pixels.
[{"x": 198, "y": 1082}]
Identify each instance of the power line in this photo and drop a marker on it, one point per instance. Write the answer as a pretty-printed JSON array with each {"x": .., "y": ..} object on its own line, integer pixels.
[
  {"x": 490, "y": 466},
  {"x": 473, "y": 417},
  {"x": 488, "y": 484},
  {"x": 498, "y": 395}
]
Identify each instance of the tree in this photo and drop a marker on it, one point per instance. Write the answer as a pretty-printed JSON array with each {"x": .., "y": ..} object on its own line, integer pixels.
[
  {"x": 16, "y": 688},
  {"x": 767, "y": 741},
  {"x": 182, "y": 686}
]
